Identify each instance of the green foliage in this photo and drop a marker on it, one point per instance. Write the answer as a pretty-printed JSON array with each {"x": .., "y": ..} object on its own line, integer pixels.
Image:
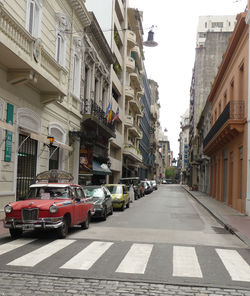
[{"x": 170, "y": 173}]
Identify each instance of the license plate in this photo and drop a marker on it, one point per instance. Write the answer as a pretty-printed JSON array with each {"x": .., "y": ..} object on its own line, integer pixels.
[{"x": 28, "y": 227}]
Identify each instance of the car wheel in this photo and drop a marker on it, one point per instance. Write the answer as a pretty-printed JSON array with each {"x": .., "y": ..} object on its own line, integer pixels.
[
  {"x": 123, "y": 206},
  {"x": 85, "y": 224},
  {"x": 63, "y": 230},
  {"x": 128, "y": 204},
  {"x": 104, "y": 216},
  {"x": 15, "y": 233}
]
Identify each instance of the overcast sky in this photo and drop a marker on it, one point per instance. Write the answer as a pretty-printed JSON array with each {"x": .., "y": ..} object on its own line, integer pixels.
[{"x": 170, "y": 63}]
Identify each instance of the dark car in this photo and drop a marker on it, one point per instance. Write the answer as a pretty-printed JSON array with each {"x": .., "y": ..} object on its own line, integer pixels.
[
  {"x": 137, "y": 185},
  {"x": 147, "y": 187},
  {"x": 102, "y": 200}
]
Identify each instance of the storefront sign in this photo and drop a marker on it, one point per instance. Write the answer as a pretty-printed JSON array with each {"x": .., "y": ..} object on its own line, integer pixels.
[
  {"x": 8, "y": 141},
  {"x": 86, "y": 160}
]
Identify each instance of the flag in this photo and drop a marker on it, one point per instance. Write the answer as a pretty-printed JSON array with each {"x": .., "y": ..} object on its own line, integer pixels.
[
  {"x": 109, "y": 113},
  {"x": 116, "y": 115},
  {"x": 108, "y": 109}
]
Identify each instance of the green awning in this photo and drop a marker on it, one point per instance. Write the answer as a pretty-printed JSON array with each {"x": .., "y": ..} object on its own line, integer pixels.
[{"x": 100, "y": 169}]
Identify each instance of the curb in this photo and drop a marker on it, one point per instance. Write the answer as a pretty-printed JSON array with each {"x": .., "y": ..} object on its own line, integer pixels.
[{"x": 222, "y": 221}]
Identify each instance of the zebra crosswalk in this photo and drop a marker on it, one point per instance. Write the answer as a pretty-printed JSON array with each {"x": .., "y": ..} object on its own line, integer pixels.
[{"x": 128, "y": 258}]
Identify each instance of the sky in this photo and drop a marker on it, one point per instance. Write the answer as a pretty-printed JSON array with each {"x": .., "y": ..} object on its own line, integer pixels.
[{"x": 170, "y": 64}]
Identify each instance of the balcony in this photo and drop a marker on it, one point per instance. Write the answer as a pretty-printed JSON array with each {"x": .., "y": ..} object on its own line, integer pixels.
[
  {"x": 130, "y": 64},
  {"x": 229, "y": 124},
  {"x": 140, "y": 93},
  {"x": 135, "y": 131},
  {"x": 136, "y": 106},
  {"x": 153, "y": 111},
  {"x": 17, "y": 55},
  {"x": 131, "y": 152},
  {"x": 136, "y": 54},
  {"x": 136, "y": 81},
  {"x": 129, "y": 93},
  {"x": 94, "y": 117},
  {"x": 129, "y": 121},
  {"x": 131, "y": 39}
]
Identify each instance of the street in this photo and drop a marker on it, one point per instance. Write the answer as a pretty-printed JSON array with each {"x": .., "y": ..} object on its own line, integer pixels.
[{"x": 165, "y": 238}]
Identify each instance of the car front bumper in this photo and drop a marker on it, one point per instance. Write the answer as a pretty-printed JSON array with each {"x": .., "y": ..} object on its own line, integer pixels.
[
  {"x": 43, "y": 223},
  {"x": 117, "y": 203}
]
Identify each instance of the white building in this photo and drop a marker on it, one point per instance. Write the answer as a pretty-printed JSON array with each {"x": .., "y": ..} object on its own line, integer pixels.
[{"x": 213, "y": 23}]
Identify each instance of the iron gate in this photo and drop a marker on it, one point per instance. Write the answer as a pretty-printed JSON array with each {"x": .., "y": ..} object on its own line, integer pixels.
[{"x": 26, "y": 165}]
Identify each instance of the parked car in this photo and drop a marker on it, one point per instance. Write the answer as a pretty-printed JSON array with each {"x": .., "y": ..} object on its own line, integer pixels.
[
  {"x": 154, "y": 183},
  {"x": 147, "y": 187},
  {"x": 170, "y": 181},
  {"x": 120, "y": 195},
  {"x": 102, "y": 200},
  {"x": 52, "y": 203},
  {"x": 137, "y": 185},
  {"x": 164, "y": 181}
]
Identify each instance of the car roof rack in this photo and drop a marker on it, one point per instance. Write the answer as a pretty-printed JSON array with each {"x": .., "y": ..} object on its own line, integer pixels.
[{"x": 55, "y": 176}]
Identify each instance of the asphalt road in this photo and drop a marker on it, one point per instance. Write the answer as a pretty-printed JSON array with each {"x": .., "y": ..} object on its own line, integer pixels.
[{"x": 165, "y": 238}]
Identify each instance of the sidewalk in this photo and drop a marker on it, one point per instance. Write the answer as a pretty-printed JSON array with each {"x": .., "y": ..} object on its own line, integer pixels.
[
  {"x": 235, "y": 222},
  {"x": 2, "y": 229}
]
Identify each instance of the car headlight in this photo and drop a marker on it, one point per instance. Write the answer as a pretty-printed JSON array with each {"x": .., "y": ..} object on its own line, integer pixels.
[
  {"x": 8, "y": 209},
  {"x": 53, "y": 209},
  {"x": 98, "y": 206}
]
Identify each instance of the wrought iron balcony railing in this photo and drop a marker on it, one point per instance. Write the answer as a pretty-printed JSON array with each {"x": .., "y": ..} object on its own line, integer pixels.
[
  {"x": 234, "y": 110},
  {"x": 89, "y": 107}
]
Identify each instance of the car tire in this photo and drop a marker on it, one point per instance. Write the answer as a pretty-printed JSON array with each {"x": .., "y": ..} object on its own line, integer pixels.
[
  {"x": 123, "y": 206},
  {"x": 104, "y": 216},
  {"x": 128, "y": 204},
  {"x": 15, "y": 233},
  {"x": 63, "y": 230},
  {"x": 85, "y": 224}
]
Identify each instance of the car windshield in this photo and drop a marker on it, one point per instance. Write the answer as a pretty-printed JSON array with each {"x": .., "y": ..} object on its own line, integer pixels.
[
  {"x": 96, "y": 193},
  {"x": 49, "y": 193},
  {"x": 115, "y": 189}
]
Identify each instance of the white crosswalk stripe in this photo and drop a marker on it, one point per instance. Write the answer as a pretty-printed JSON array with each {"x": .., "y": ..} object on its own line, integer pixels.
[
  {"x": 236, "y": 266},
  {"x": 185, "y": 262},
  {"x": 88, "y": 256},
  {"x": 33, "y": 258},
  {"x": 139, "y": 259},
  {"x": 136, "y": 259},
  {"x": 5, "y": 248}
]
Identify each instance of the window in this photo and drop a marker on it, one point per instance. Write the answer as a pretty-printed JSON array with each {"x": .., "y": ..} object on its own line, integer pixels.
[
  {"x": 33, "y": 17},
  {"x": 217, "y": 24},
  {"x": 53, "y": 158},
  {"x": 60, "y": 50},
  {"x": 62, "y": 28},
  {"x": 76, "y": 76}
]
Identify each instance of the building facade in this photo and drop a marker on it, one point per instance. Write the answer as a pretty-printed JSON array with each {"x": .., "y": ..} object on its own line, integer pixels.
[
  {"x": 226, "y": 142},
  {"x": 183, "y": 148},
  {"x": 40, "y": 58},
  {"x": 208, "y": 56}
]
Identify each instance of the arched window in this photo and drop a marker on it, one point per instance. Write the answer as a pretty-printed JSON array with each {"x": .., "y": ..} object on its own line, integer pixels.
[{"x": 33, "y": 17}]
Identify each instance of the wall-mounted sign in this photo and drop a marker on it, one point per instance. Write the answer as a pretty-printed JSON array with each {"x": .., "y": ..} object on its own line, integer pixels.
[
  {"x": 8, "y": 141},
  {"x": 86, "y": 160}
]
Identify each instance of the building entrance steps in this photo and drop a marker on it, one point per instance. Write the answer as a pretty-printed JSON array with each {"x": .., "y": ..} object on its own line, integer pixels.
[{"x": 234, "y": 221}]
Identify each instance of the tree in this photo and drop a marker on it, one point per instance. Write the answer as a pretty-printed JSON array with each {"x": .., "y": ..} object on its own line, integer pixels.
[{"x": 170, "y": 173}]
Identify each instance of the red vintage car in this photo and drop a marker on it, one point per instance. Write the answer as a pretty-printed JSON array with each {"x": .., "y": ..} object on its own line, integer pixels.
[{"x": 53, "y": 202}]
